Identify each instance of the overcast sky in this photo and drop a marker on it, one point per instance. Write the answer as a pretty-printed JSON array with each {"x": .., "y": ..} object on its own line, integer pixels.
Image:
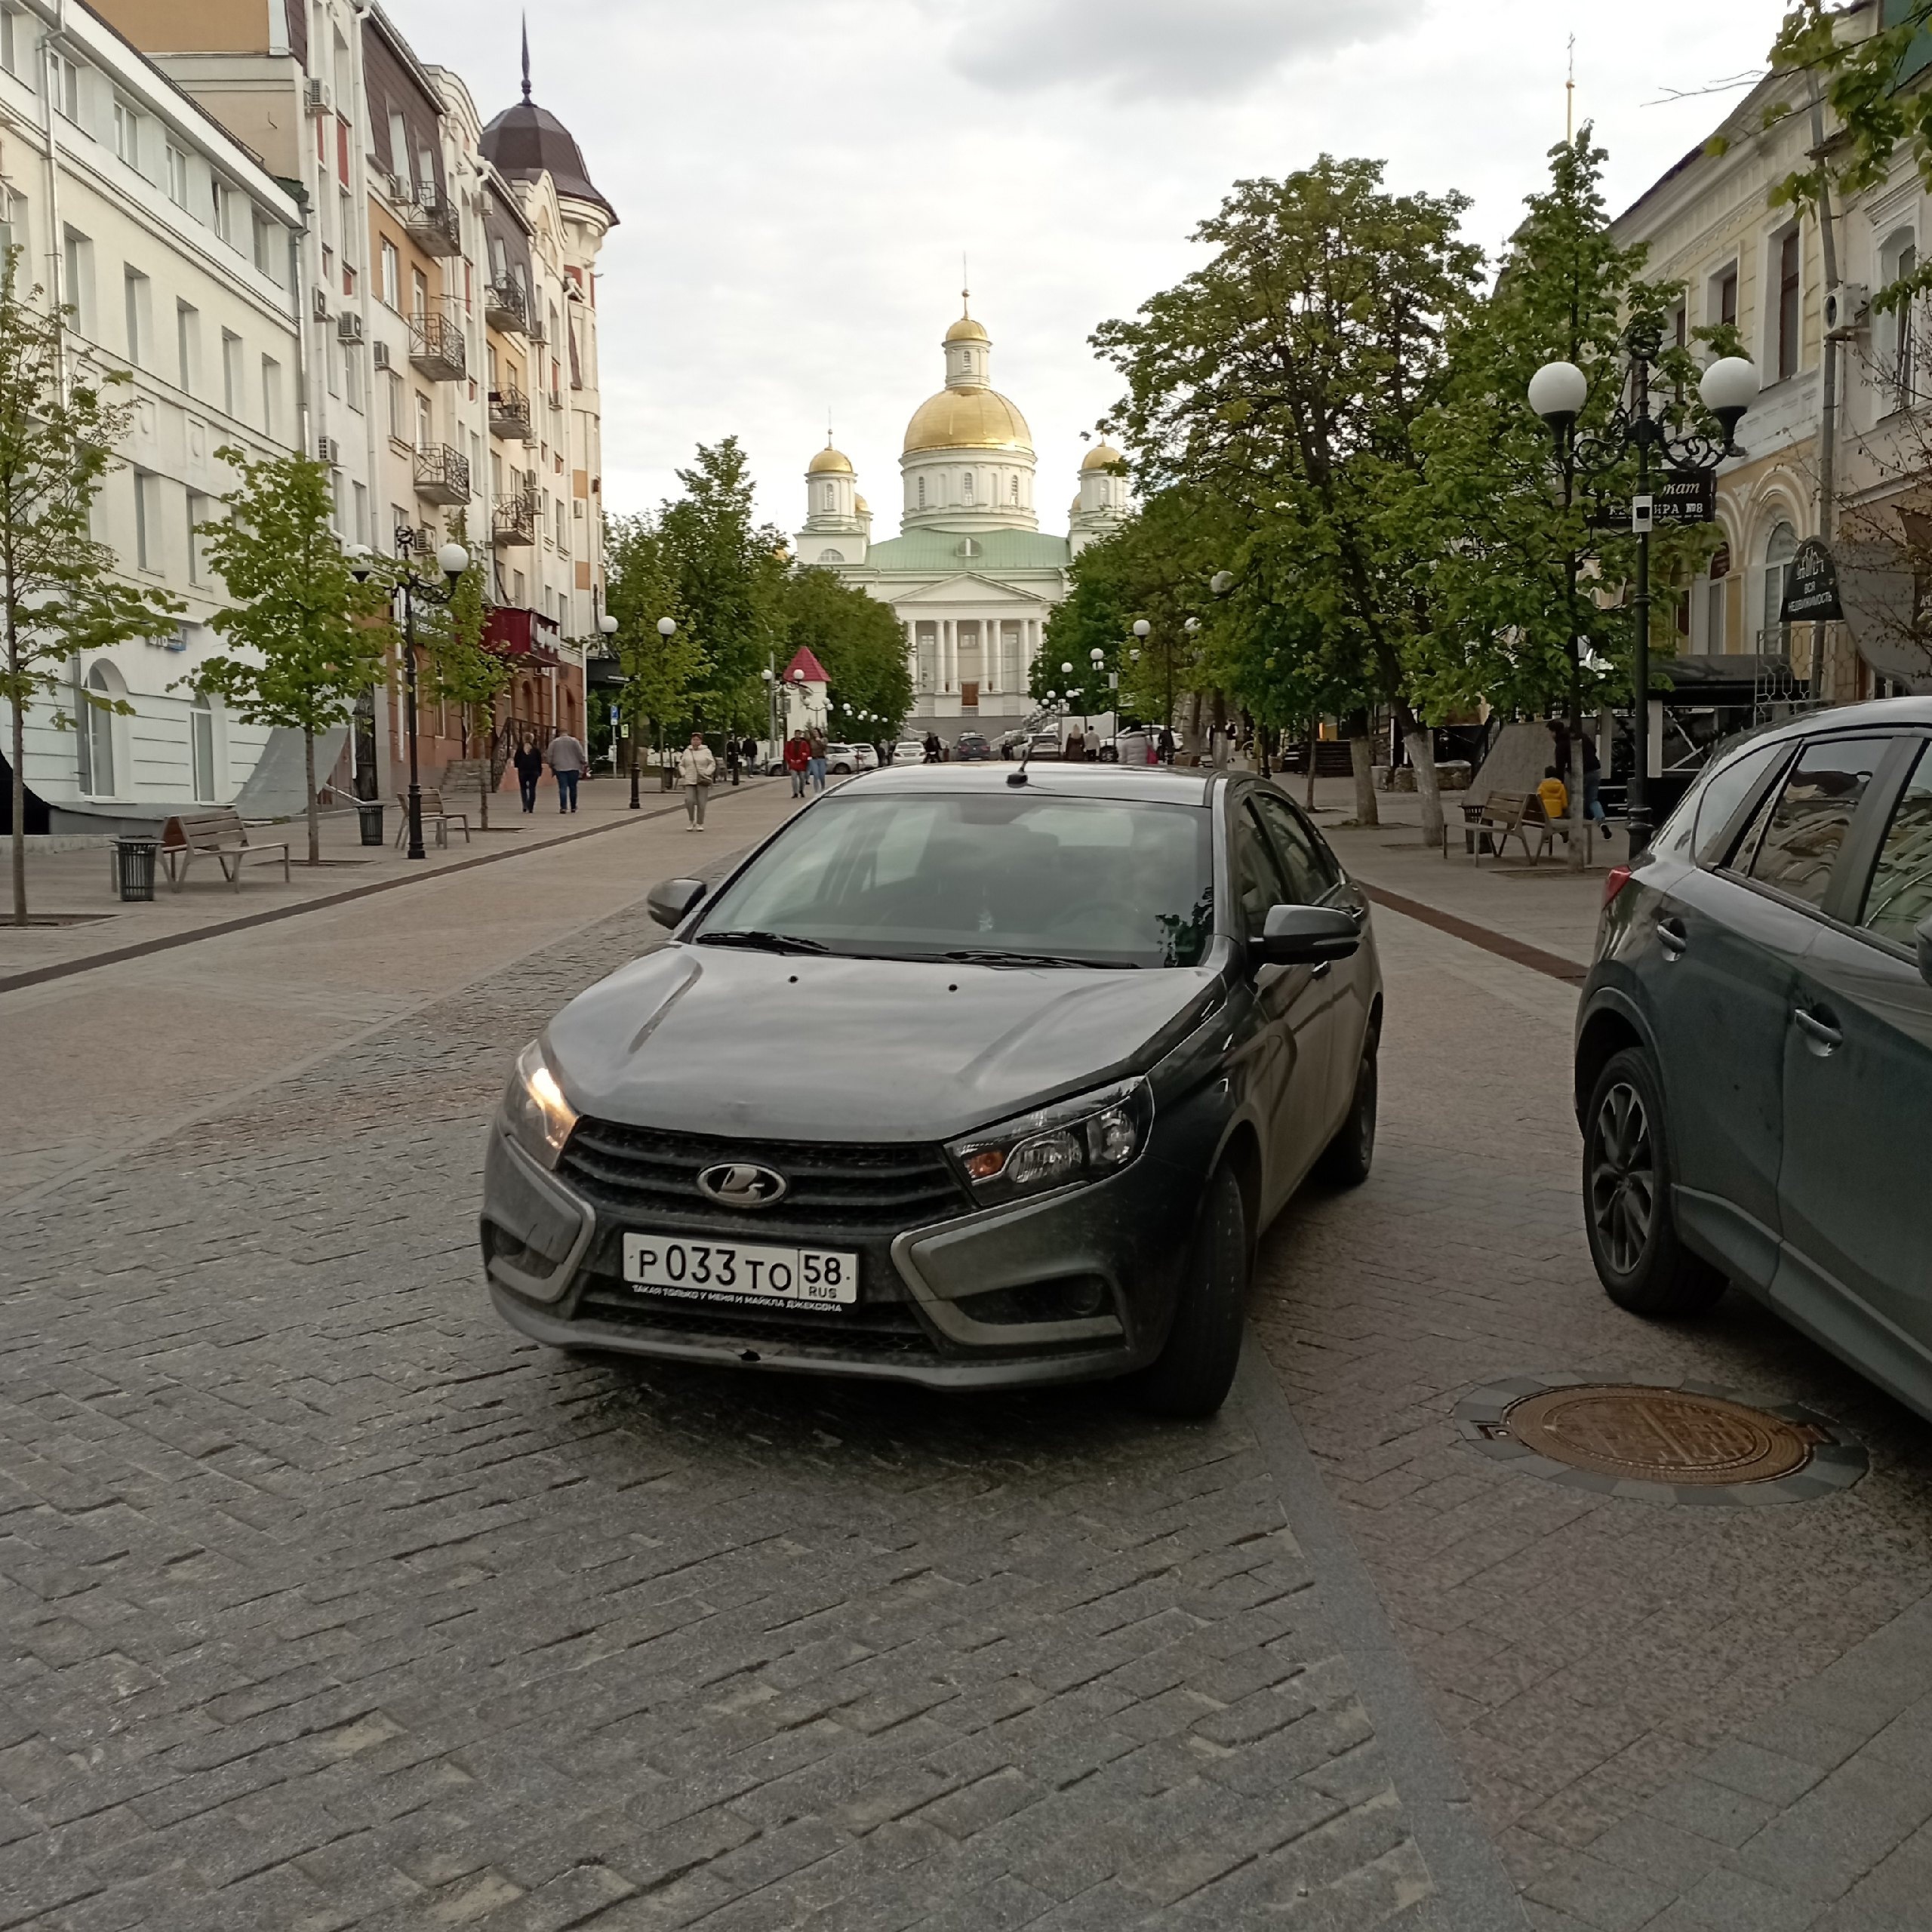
[{"x": 798, "y": 179}]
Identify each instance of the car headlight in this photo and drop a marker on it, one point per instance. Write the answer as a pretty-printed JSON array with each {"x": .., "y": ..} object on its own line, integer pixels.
[
  {"x": 1084, "y": 1139},
  {"x": 535, "y": 1115}
]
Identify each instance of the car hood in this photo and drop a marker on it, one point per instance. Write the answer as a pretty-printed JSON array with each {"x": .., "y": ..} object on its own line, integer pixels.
[{"x": 704, "y": 1039}]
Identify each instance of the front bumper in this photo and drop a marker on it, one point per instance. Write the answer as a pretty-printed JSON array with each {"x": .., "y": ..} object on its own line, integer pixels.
[{"x": 937, "y": 1301}]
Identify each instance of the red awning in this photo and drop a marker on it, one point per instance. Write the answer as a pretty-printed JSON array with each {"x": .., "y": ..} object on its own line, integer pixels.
[{"x": 523, "y": 634}]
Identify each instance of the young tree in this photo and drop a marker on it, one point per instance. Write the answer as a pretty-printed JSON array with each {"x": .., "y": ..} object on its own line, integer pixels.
[
  {"x": 59, "y": 595},
  {"x": 315, "y": 639},
  {"x": 659, "y": 671},
  {"x": 462, "y": 668},
  {"x": 855, "y": 636}
]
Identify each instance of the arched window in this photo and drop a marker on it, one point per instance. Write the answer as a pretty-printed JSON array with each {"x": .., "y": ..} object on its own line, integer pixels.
[
  {"x": 96, "y": 731},
  {"x": 201, "y": 747},
  {"x": 922, "y": 493},
  {"x": 831, "y": 556},
  {"x": 966, "y": 362},
  {"x": 1012, "y": 489},
  {"x": 1774, "y": 637},
  {"x": 1892, "y": 332},
  {"x": 831, "y": 496},
  {"x": 966, "y": 484},
  {"x": 1717, "y": 603}
]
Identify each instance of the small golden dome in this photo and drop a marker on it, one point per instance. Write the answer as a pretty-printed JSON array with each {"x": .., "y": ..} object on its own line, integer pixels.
[
  {"x": 828, "y": 461},
  {"x": 1102, "y": 456},
  {"x": 967, "y": 419},
  {"x": 967, "y": 330},
  {"x": 863, "y": 507}
]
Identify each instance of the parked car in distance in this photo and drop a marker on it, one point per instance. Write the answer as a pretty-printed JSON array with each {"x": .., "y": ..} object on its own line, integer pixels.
[
  {"x": 850, "y": 759},
  {"x": 970, "y": 745},
  {"x": 1133, "y": 745},
  {"x": 909, "y": 751},
  {"x": 1042, "y": 745},
  {"x": 1125, "y": 1015},
  {"x": 1754, "y": 1044}
]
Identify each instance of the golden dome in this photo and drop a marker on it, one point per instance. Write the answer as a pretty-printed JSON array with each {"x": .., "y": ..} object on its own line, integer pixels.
[
  {"x": 967, "y": 419},
  {"x": 1102, "y": 456},
  {"x": 828, "y": 461},
  {"x": 863, "y": 507},
  {"x": 967, "y": 330}
]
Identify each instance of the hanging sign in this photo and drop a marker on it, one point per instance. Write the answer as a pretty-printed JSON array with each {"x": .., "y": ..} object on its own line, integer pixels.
[
  {"x": 1811, "y": 586},
  {"x": 1683, "y": 496}
]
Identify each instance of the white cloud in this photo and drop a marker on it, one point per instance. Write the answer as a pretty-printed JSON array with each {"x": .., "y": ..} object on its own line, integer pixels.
[{"x": 1158, "y": 49}]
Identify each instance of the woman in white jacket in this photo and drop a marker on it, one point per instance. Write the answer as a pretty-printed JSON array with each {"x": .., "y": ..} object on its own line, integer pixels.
[{"x": 696, "y": 770}]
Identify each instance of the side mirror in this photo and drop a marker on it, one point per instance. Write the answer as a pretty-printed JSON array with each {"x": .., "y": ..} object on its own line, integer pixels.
[
  {"x": 1923, "y": 935},
  {"x": 1305, "y": 936},
  {"x": 669, "y": 900}
]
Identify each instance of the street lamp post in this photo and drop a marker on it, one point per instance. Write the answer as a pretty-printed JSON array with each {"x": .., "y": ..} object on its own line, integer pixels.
[
  {"x": 452, "y": 560},
  {"x": 666, "y": 628},
  {"x": 606, "y": 625},
  {"x": 1557, "y": 392}
]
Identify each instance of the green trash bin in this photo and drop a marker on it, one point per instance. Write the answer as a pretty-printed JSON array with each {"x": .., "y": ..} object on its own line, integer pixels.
[
  {"x": 133, "y": 866},
  {"x": 370, "y": 811}
]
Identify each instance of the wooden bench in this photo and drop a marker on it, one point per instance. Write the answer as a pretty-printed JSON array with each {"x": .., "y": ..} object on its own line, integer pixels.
[
  {"x": 220, "y": 835},
  {"x": 1502, "y": 815},
  {"x": 434, "y": 813}
]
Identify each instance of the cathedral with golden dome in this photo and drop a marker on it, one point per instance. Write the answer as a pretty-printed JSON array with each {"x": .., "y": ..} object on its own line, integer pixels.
[{"x": 971, "y": 576}]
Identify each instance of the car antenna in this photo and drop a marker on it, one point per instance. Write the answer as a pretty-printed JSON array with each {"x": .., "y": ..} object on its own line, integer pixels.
[{"x": 1020, "y": 777}]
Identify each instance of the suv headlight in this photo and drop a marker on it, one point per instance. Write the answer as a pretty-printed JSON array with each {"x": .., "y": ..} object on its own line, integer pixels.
[
  {"x": 535, "y": 1114},
  {"x": 1084, "y": 1139}
]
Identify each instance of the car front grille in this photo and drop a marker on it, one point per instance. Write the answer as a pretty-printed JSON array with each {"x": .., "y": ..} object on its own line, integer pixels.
[
  {"x": 889, "y": 1329},
  {"x": 834, "y": 1188}
]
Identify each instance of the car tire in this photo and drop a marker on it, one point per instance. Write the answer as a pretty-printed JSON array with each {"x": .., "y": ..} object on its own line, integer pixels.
[
  {"x": 1346, "y": 1161},
  {"x": 1640, "y": 1258},
  {"x": 1192, "y": 1375}
]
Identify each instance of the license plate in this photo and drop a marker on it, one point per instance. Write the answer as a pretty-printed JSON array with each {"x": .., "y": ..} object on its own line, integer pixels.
[{"x": 740, "y": 1271}]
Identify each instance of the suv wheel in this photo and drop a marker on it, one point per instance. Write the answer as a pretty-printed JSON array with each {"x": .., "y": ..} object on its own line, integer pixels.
[
  {"x": 1192, "y": 1375},
  {"x": 1346, "y": 1161},
  {"x": 1641, "y": 1262}
]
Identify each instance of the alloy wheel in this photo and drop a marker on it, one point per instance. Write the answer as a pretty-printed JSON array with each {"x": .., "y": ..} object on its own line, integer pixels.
[{"x": 1623, "y": 1182}]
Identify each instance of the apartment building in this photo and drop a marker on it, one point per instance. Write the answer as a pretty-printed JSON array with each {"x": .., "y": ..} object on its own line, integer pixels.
[{"x": 175, "y": 249}]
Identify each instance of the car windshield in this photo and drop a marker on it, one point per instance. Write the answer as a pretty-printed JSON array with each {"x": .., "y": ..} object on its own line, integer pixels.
[{"x": 1021, "y": 878}]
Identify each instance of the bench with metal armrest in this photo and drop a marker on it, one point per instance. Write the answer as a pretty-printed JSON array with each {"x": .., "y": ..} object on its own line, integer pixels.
[{"x": 220, "y": 835}]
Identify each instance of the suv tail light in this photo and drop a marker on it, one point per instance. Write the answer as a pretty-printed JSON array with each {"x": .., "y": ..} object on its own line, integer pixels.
[{"x": 1614, "y": 881}]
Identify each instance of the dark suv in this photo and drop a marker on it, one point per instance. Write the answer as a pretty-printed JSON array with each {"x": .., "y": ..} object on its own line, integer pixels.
[
  {"x": 1754, "y": 1047},
  {"x": 970, "y": 1076}
]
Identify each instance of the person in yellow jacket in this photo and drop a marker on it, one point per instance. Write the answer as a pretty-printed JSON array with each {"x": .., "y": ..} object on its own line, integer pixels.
[
  {"x": 1555, "y": 795},
  {"x": 697, "y": 769}
]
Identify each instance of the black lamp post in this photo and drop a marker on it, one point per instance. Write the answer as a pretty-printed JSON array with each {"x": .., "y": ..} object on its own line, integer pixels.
[
  {"x": 1557, "y": 392},
  {"x": 452, "y": 560}
]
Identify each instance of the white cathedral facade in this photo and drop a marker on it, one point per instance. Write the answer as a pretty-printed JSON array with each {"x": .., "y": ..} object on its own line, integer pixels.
[{"x": 971, "y": 576}]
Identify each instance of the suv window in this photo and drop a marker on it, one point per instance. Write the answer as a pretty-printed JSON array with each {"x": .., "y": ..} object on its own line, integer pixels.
[
  {"x": 1717, "y": 799},
  {"x": 1900, "y": 897},
  {"x": 1800, "y": 835},
  {"x": 1258, "y": 881},
  {"x": 1311, "y": 871}
]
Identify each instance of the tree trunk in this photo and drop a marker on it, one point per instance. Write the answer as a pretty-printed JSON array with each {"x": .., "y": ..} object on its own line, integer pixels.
[
  {"x": 1361, "y": 766},
  {"x": 19, "y": 839},
  {"x": 1190, "y": 735},
  {"x": 486, "y": 779},
  {"x": 1419, "y": 742},
  {"x": 314, "y": 810}
]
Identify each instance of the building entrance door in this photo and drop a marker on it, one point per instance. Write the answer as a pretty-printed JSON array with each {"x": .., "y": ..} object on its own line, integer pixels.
[{"x": 969, "y": 695}]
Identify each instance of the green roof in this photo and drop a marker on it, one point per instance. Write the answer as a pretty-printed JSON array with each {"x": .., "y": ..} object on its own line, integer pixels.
[{"x": 937, "y": 551}]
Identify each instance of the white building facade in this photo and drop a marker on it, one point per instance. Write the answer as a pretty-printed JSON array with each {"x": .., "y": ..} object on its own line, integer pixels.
[{"x": 971, "y": 577}]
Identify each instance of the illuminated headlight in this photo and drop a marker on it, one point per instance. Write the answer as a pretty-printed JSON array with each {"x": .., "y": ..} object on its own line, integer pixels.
[
  {"x": 536, "y": 1115},
  {"x": 1084, "y": 1139}
]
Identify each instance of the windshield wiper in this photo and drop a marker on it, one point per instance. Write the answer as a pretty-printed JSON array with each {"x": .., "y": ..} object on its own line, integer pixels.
[
  {"x": 971, "y": 957},
  {"x": 763, "y": 941}
]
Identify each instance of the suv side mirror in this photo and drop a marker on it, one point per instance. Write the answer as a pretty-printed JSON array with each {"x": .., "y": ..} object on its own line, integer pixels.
[
  {"x": 1305, "y": 936},
  {"x": 1923, "y": 935},
  {"x": 669, "y": 900}
]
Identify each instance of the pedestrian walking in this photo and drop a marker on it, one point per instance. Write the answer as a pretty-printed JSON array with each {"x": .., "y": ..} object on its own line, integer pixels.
[
  {"x": 566, "y": 761},
  {"x": 933, "y": 747},
  {"x": 1167, "y": 745},
  {"x": 748, "y": 753},
  {"x": 798, "y": 758},
  {"x": 816, "y": 762},
  {"x": 731, "y": 759},
  {"x": 529, "y": 763},
  {"x": 1592, "y": 771},
  {"x": 697, "y": 769}
]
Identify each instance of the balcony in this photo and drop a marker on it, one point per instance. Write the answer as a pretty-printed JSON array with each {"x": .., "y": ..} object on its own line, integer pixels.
[
  {"x": 429, "y": 217},
  {"x": 509, "y": 414},
  {"x": 514, "y": 518},
  {"x": 513, "y": 632},
  {"x": 502, "y": 306},
  {"x": 435, "y": 348},
  {"x": 442, "y": 476}
]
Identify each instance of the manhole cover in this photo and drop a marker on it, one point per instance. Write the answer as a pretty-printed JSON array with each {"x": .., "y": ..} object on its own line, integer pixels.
[{"x": 1680, "y": 1442}]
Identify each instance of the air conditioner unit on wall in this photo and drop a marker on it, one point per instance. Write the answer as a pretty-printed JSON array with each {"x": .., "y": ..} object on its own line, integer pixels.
[
  {"x": 348, "y": 326},
  {"x": 329, "y": 450},
  {"x": 322, "y": 305},
  {"x": 1847, "y": 308},
  {"x": 315, "y": 96},
  {"x": 379, "y": 355}
]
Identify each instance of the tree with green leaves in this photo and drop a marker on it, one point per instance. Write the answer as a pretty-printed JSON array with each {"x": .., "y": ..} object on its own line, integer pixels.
[
  {"x": 659, "y": 672},
  {"x": 858, "y": 640},
  {"x": 308, "y": 639},
  {"x": 59, "y": 596},
  {"x": 1289, "y": 378},
  {"x": 460, "y": 666}
]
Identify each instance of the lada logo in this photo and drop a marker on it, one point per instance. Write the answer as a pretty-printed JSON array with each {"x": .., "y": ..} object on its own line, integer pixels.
[{"x": 741, "y": 1184}]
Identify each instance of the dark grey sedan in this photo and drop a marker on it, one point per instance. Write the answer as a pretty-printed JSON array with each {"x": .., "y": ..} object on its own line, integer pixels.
[
  {"x": 1754, "y": 1047},
  {"x": 970, "y": 1076}
]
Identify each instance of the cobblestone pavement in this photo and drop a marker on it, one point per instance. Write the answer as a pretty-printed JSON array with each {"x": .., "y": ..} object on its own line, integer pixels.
[
  {"x": 332, "y": 1603},
  {"x": 1670, "y": 1717}
]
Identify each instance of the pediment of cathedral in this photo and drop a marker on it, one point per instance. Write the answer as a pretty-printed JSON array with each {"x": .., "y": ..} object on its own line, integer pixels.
[{"x": 968, "y": 586}]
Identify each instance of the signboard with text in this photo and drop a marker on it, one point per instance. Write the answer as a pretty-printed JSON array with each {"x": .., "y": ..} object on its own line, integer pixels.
[
  {"x": 1811, "y": 586},
  {"x": 1689, "y": 496}
]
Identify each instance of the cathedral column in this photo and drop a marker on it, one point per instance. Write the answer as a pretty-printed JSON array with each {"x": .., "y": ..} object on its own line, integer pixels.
[
  {"x": 989, "y": 642},
  {"x": 949, "y": 663}
]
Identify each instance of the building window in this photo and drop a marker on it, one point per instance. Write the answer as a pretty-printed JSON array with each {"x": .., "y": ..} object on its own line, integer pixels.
[
  {"x": 127, "y": 132},
  {"x": 398, "y": 411},
  {"x": 922, "y": 493},
  {"x": 1718, "y": 596},
  {"x": 271, "y": 393},
  {"x": 361, "y": 499},
  {"x": 352, "y": 376},
  {"x": 231, "y": 372},
  {"x": 221, "y": 208},
  {"x": 77, "y": 266},
  {"x": 1788, "y": 313},
  {"x": 1723, "y": 304},
  {"x": 64, "y": 85},
  {"x": 399, "y": 153},
  {"x": 188, "y": 346},
  {"x": 136, "y": 290},
  {"x": 1892, "y": 332},
  {"x": 178, "y": 176},
  {"x": 1775, "y": 636},
  {"x": 97, "y": 735},
  {"x": 266, "y": 261},
  {"x": 419, "y": 293},
  {"x": 1012, "y": 489},
  {"x": 392, "y": 268},
  {"x": 10, "y": 48},
  {"x": 147, "y": 534},
  {"x": 201, "y": 747},
  {"x": 198, "y": 513},
  {"x": 425, "y": 434},
  {"x": 966, "y": 485}
]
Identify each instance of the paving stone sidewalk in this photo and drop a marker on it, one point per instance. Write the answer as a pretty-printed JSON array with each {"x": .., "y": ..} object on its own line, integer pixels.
[{"x": 330, "y": 1603}]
